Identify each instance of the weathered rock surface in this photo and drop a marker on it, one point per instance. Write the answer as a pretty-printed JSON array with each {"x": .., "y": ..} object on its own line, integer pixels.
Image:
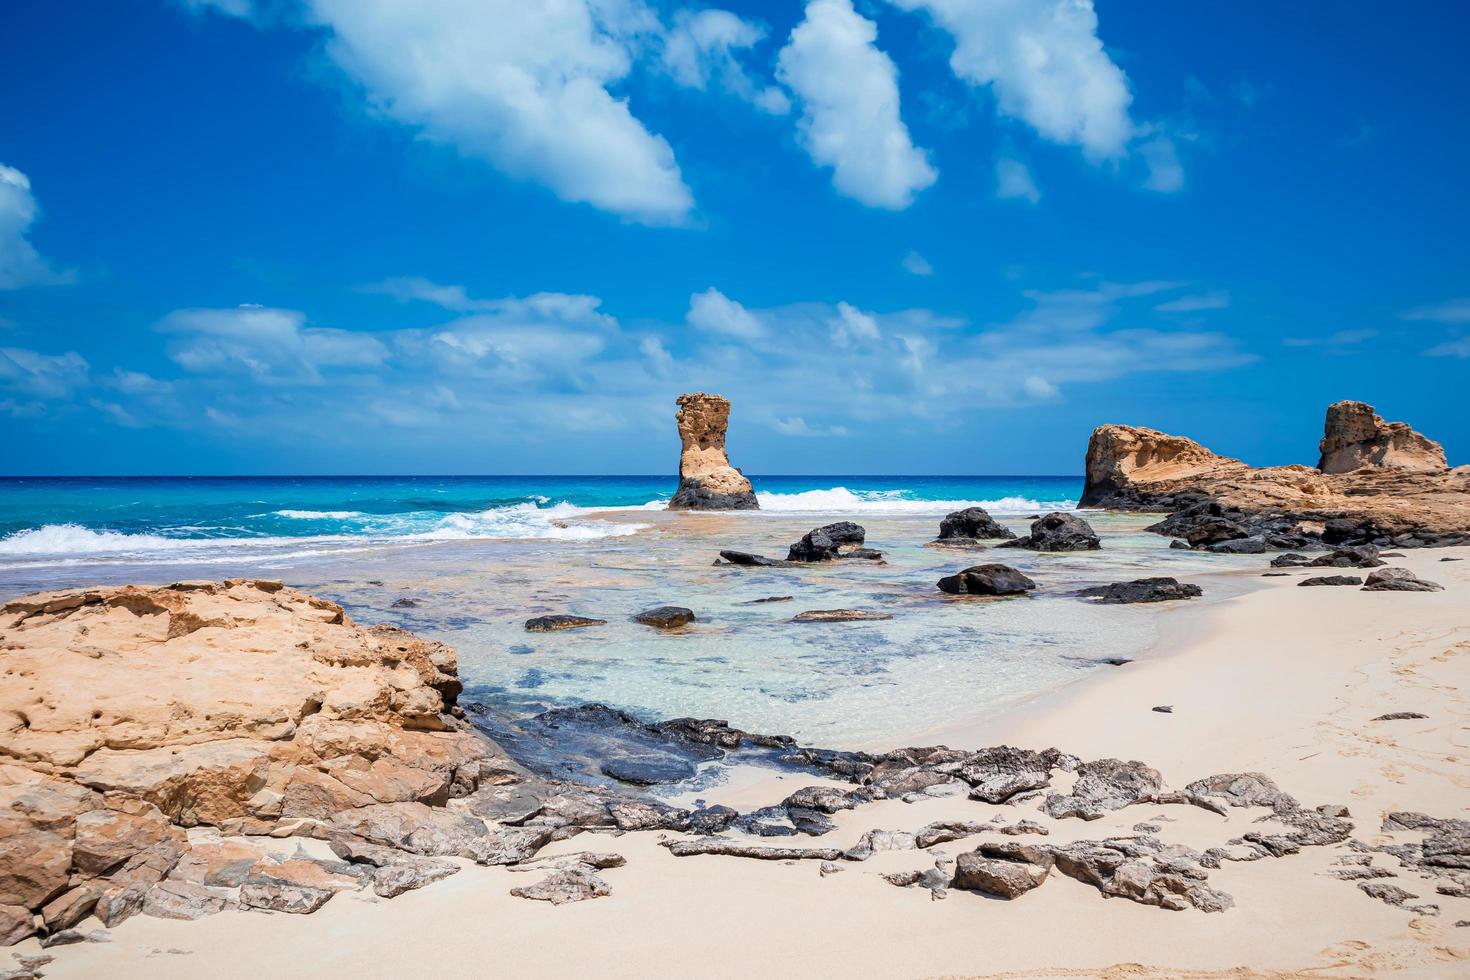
[
  {"x": 666, "y": 617},
  {"x": 1332, "y": 580},
  {"x": 838, "y": 616},
  {"x": 995, "y": 876},
  {"x": 1380, "y": 484},
  {"x": 1057, "y": 531},
  {"x": 1355, "y": 437},
  {"x": 990, "y": 579},
  {"x": 1160, "y": 589},
  {"x": 132, "y": 713},
  {"x": 561, "y": 887},
  {"x": 555, "y": 624},
  {"x": 1398, "y": 580},
  {"x": 828, "y": 542},
  {"x": 970, "y": 525},
  {"x": 707, "y": 481}
]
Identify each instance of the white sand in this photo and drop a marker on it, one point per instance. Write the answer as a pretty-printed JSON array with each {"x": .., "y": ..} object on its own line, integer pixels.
[{"x": 1283, "y": 680}]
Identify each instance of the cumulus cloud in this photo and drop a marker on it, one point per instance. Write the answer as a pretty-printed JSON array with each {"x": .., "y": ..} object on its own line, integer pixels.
[
  {"x": 20, "y": 263},
  {"x": 1165, "y": 172},
  {"x": 847, "y": 90},
  {"x": 525, "y": 86},
  {"x": 797, "y": 426},
  {"x": 270, "y": 345},
  {"x": 1046, "y": 64},
  {"x": 851, "y": 325},
  {"x": 1013, "y": 180},
  {"x": 713, "y": 312},
  {"x": 701, "y": 48}
]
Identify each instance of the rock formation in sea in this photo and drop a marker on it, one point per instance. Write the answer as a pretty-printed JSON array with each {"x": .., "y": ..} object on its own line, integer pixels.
[
  {"x": 1381, "y": 483},
  {"x": 1354, "y": 437},
  {"x": 707, "y": 481}
]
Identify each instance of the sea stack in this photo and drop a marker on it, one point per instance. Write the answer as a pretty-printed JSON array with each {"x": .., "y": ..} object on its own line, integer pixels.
[
  {"x": 1354, "y": 437},
  {"x": 1121, "y": 456},
  {"x": 707, "y": 481}
]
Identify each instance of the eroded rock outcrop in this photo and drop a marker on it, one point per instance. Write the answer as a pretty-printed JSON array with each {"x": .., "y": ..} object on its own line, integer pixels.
[
  {"x": 707, "y": 481},
  {"x": 132, "y": 714},
  {"x": 1380, "y": 483},
  {"x": 1354, "y": 437}
]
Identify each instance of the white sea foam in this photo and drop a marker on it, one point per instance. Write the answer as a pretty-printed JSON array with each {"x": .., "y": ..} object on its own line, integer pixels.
[
  {"x": 842, "y": 500},
  {"x": 319, "y": 515},
  {"x": 73, "y": 539}
]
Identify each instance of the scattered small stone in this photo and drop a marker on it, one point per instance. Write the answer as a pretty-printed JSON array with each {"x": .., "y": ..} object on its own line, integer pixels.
[
  {"x": 1401, "y": 716},
  {"x": 1454, "y": 559},
  {"x": 561, "y": 887},
  {"x": 1146, "y": 828},
  {"x": 1024, "y": 827},
  {"x": 828, "y": 868},
  {"x": 1164, "y": 709},
  {"x": 1275, "y": 575},
  {"x": 769, "y": 598}
]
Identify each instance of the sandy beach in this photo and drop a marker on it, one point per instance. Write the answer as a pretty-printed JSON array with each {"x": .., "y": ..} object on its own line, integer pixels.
[{"x": 1281, "y": 680}]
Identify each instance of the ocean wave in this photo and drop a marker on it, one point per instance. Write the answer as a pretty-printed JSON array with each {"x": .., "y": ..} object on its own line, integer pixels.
[
  {"x": 319, "y": 515},
  {"x": 73, "y": 539},
  {"x": 842, "y": 500}
]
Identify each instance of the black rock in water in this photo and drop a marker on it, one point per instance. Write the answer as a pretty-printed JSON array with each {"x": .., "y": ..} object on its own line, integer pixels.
[
  {"x": 971, "y": 524},
  {"x": 553, "y": 624},
  {"x": 1332, "y": 580},
  {"x": 986, "y": 580},
  {"x": 405, "y": 604},
  {"x": 1160, "y": 589},
  {"x": 1057, "y": 532},
  {"x": 826, "y": 543},
  {"x": 746, "y": 558},
  {"x": 666, "y": 617}
]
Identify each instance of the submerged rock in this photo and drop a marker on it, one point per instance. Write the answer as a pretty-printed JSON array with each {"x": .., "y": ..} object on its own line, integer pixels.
[
  {"x": 1057, "y": 531},
  {"x": 1161, "y": 589},
  {"x": 838, "y": 616},
  {"x": 990, "y": 579},
  {"x": 555, "y": 624},
  {"x": 666, "y": 617},
  {"x": 707, "y": 481},
  {"x": 748, "y": 559}
]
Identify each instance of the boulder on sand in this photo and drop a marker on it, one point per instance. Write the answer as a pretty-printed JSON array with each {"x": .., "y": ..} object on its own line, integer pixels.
[
  {"x": 1161, "y": 589},
  {"x": 971, "y": 524},
  {"x": 986, "y": 580},
  {"x": 1398, "y": 580},
  {"x": 707, "y": 481},
  {"x": 1057, "y": 531}
]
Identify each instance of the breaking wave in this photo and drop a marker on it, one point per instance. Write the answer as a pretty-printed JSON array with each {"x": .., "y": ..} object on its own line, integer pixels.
[{"x": 842, "y": 500}]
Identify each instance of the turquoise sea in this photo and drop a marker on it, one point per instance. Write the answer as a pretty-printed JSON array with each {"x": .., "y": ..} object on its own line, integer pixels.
[{"x": 467, "y": 560}]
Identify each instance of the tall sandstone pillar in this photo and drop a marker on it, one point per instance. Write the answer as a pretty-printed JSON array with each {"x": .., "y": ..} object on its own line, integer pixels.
[{"x": 707, "y": 481}]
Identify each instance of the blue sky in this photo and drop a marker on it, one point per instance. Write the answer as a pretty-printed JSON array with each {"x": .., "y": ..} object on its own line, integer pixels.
[{"x": 903, "y": 236}]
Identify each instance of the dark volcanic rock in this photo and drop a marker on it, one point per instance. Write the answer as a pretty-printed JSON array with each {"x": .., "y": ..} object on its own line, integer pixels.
[
  {"x": 405, "y": 604},
  {"x": 971, "y": 524},
  {"x": 711, "y": 819},
  {"x": 769, "y": 598},
  {"x": 1253, "y": 545},
  {"x": 837, "y": 616},
  {"x": 746, "y": 558},
  {"x": 1290, "y": 560},
  {"x": 666, "y": 617},
  {"x": 1214, "y": 530},
  {"x": 1398, "y": 580},
  {"x": 1354, "y": 556},
  {"x": 1332, "y": 580},
  {"x": 827, "y": 542},
  {"x": 1401, "y": 716},
  {"x": 553, "y": 624},
  {"x": 986, "y": 580},
  {"x": 1161, "y": 589},
  {"x": 1057, "y": 532}
]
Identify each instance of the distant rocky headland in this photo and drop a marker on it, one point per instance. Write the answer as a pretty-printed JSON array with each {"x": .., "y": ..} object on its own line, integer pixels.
[{"x": 1377, "y": 483}]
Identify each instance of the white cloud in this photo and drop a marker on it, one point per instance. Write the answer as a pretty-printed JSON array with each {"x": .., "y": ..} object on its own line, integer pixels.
[
  {"x": 522, "y": 85},
  {"x": 848, "y": 93},
  {"x": 660, "y": 361},
  {"x": 410, "y": 288},
  {"x": 1039, "y": 388},
  {"x": 1046, "y": 64},
  {"x": 1451, "y": 348},
  {"x": 1013, "y": 180},
  {"x": 230, "y": 8},
  {"x": 851, "y": 325},
  {"x": 1340, "y": 339},
  {"x": 700, "y": 48},
  {"x": 267, "y": 344},
  {"x": 1165, "y": 173},
  {"x": 797, "y": 426},
  {"x": 713, "y": 312},
  {"x": 916, "y": 264},
  {"x": 1450, "y": 311},
  {"x": 20, "y": 263},
  {"x": 1217, "y": 300},
  {"x": 42, "y": 375}
]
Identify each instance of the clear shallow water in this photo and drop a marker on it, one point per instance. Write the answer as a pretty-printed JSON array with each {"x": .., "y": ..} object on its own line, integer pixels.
[{"x": 477, "y": 557}]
